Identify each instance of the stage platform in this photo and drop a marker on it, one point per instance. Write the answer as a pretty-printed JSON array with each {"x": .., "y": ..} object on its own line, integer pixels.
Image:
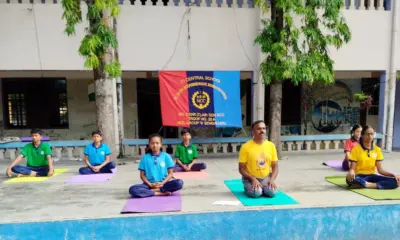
[{"x": 55, "y": 210}]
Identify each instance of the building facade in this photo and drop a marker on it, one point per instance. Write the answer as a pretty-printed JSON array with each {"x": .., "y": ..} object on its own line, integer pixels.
[{"x": 44, "y": 84}]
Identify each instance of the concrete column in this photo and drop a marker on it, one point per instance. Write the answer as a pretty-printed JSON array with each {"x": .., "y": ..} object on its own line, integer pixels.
[
  {"x": 392, "y": 76},
  {"x": 258, "y": 97},
  {"x": 383, "y": 99}
]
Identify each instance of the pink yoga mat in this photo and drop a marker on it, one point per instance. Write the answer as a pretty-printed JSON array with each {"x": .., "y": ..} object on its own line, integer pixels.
[
  {"x": 92, "y": 178},
  {"x": 191, "y": 175},
  {"x": 154, "y": 204},
  {"x": 336, "y": 164}
]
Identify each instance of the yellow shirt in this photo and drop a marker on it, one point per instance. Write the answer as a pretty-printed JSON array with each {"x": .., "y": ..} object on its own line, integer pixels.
[
  {"x": 366, "y": 163},
  {"x": 258, "y": 158}
]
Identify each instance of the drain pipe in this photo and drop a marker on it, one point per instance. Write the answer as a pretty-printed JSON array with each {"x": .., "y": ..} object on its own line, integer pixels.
[{"x": 392, "y": 77}]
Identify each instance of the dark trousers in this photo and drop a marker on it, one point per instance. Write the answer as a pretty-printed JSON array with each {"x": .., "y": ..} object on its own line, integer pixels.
[
  {"x": 382, "y": 182},
  {"x": 196, "y": 167},
  {"x": 143, "y": 190},
  {"x": 345, "y": 165},
  {"x": 25, "y": 170},
  {"x": 106, "y": 169}
]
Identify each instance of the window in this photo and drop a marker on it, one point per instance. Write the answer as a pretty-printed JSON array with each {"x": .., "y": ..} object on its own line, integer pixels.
[{"x": 35, "y": 102}]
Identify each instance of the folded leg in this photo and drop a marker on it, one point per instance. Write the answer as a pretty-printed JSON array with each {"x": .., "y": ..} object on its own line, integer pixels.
[
  {"x": 172, "y": 186},
  {"x": 266, "y": 190},
  {"x": 198, "y": 167},
  {"x": 382, "y": 182},
  {"x": 250, "y": 192},
  {"x": 107, "y": 168},
  {"x": 141, "y": 191},
  {"x": 25, "y": 170}
]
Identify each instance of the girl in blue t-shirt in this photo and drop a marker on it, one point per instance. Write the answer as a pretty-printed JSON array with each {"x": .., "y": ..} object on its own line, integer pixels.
[{"x": 156, "y": 172}]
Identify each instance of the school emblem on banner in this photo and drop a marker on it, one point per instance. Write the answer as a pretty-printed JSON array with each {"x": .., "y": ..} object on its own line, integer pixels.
[{"x": 200, "y": 98}]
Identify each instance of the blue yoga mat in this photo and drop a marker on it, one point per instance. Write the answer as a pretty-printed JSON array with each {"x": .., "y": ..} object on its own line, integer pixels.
[{"x": 237, "y": 188}]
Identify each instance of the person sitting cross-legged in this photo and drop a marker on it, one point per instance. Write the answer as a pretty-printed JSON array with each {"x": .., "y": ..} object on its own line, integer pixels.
[
  {"x": 186, "y": 155},
  {"x": 39, "y": 161},
  {"x": 97, "y": 156},
  {"x": 364, "y": 159},
  {"x": 156, "y": 172},
  {"x": 256, "y": 159}
]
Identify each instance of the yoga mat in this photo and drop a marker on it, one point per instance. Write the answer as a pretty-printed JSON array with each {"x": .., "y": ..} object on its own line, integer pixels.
[
  {"x": 191, "y": 175},
  {"x": 237, "y": 188},
  {"x": 29, "y": 139},
  {"x": 92, "y": 178},
  {"x": 27, "y": 179},
  {"x": 336, "y": 164},
  {"x": 376, "y": 194},
  {"x": 154, "y": 204}
]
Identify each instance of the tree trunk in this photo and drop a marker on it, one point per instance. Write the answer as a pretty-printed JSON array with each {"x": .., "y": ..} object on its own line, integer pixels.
[
  {"x": 104, "y": 96},
  {"x": 275, "y": 98},
  {"x": 275, "y": 106},
  {"x": 120, "y": 100}
]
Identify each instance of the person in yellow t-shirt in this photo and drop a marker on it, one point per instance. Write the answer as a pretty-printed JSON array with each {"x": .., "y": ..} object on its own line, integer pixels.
[
  {"x": 256, "y": 159},
  {"x": 365, "y": 159}
]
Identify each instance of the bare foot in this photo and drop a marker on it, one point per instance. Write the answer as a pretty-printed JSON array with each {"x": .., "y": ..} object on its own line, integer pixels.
[
  {"x": 155, "y": 190},
  {"x": 33, "y": 174},
  {"x": 371, "y": 185},
  {"x": 163, "y": 194}
]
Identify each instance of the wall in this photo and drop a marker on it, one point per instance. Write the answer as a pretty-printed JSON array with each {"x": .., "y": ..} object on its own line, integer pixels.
[
  {"x": 330, "y": 223},
  {"x": 220, "y": 39},
  {"x": 82, "y": 112},
  {"x": 330, "y": 109}
]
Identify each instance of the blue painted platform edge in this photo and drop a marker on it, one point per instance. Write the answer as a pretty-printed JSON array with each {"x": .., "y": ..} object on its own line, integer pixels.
[{"x": 280, "y": 224}]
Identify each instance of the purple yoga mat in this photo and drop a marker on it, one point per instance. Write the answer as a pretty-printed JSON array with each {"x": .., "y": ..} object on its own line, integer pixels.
[
  {"x": 336, "y": 164},
  {"x": 154, "y": 204},
  {"x": 29, "y": 139},
  {"x": 92, "y": 178}
]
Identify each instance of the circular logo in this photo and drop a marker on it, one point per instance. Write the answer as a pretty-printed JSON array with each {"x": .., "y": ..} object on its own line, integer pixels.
[
  {"x": 190, "y": 151},
  {"x": 162, "y": 164},
  {"x": 200, "y": 99},
  {"x": 102, "y": 152},
  {"x": 42, "y": 152},
  {"x": 374, "y": 155}
]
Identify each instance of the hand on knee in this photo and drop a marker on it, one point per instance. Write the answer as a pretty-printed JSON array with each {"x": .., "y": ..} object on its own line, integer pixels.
[{"x": 255, "y": 193}]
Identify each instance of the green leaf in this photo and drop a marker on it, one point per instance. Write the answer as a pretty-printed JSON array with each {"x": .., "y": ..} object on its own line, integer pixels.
[{"x": 113, "y": 69}]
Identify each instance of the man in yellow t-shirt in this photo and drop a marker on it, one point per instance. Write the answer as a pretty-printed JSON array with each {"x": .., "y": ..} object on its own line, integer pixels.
[{"x": 256, "y": 159}]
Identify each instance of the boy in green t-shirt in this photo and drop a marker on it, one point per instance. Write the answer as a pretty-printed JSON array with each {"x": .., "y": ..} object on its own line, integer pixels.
[
  {"x": 186, "y": 155},
  {"x": 38, "y": 154}
]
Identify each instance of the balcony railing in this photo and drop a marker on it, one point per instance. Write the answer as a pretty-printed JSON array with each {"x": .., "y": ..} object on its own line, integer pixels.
[{"x": 376, "y": 5}]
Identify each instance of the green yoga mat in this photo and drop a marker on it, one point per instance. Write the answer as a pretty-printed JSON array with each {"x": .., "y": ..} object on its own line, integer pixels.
[
  {"x": 376, "y": 194},
  {"x": 236, "y": 187}
]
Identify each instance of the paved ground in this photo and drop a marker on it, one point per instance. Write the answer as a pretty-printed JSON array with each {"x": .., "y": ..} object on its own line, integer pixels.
[{"x": 301, "y": 176}]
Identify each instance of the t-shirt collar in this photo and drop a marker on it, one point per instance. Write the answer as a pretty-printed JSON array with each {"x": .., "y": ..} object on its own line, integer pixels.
[
  {"x": 154, "y": 155},
  {"x": 364, "y": 148},
  {"x": 101, "y": 145},
  {"x": 40, "y": 144},
  {"x": 354, "y": 140},
  {"x": 190, "y": 145}
]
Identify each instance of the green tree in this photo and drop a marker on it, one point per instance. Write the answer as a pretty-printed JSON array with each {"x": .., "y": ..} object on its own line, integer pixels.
[
  {"x": 98, "y": 47},
  {"x": 294, "y": 42}
]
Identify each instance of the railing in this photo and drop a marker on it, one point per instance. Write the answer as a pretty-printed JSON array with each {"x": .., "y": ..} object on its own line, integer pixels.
[
  {"x": 136, "y": 147},
  {"x": 380, "y": 5}
]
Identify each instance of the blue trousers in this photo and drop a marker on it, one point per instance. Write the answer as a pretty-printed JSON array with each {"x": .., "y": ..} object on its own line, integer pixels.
[
  {"x": 382, "y": 182},
  {"x": 25, "y": 170},
  {"x": 143, "y": 191},
  {"x": 255, "y": 193},
  {"x": 106, "y": 169},
  {"x": 345, "y": 165},
  {"x": 195, "y": 168}
]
